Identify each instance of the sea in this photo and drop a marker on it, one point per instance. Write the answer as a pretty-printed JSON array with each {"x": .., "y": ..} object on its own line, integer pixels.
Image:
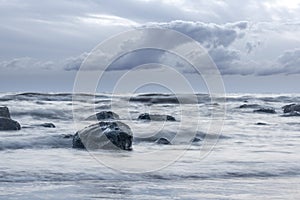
[{"x": 220, "y": 148}]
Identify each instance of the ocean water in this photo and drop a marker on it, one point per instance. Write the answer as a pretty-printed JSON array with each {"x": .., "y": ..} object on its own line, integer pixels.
[{"x": 245, "y": 161}]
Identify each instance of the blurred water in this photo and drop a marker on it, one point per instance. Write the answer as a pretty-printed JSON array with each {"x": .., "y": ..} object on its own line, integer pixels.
[{"x": 249, "y": 160}]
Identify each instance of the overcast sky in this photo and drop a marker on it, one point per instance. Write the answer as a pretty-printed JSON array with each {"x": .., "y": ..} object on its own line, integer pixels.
[{"x": 255, "y": 44}]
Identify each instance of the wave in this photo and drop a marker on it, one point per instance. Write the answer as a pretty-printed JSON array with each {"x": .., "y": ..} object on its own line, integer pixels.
[
  {"x": 169, "y": 135},
  {"x": 51, "y": 97},
  {"x": 44, "y": 114},
  {"x": 152, "y": 98},
  {"x": 65, "y": 141},
  {"x": 41, "y": 142},
  {"x": 55, "y": 176}
]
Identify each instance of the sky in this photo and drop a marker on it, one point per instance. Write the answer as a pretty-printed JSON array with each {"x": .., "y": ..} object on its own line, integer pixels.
[{"x": 254, "y": 44}]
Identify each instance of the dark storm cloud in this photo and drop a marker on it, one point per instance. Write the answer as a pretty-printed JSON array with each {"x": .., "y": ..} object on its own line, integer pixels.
[
  {"x": 208, "y": 34},
  {"x": 216, "y": 38}
]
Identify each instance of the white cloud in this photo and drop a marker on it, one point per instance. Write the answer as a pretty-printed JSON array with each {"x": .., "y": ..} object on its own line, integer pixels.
[{"x": 26, "y": 63}]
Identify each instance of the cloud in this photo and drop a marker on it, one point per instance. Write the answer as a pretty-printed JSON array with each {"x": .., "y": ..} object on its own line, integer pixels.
[
  {"x": 26, "y": 63},
  {"x": 208, "y": 34},
  {"x": 288, "y": 64},
  {"x": 33, "y": 64},
  {"x": 74, "y": 63},
  {"x": 290, "y": 60}
]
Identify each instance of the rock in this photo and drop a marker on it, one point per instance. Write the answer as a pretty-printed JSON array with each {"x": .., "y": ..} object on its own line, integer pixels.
[
  {"x": 149, "y": 117},
  {"x": 163, "y": 141},
  {"x": 104, "y": 135},
  {"x": 48, "y": 125},
  {"x": 249, "y": 106},
  {"x": 292, "y": 114},
  {"x": 104, "y": 115},
  {"x": 196, "y": 139},
  {"x": 4, "y": 112},
  {"x": 67, "y": 136},
  {"x": 6, "y": 123},
  {"x": 265, "y": 110},
  {"x": 261, "y": 124},
  {"x": 291, "y": 108}
]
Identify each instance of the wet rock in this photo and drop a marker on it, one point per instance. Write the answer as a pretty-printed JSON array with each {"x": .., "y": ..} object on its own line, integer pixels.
[
  {"x": 261, "y": 124},
  {"x": 249, "y": 106},
  {"x": 196, "y": 139},
  {"x": 104, "y": 135},
  {"x": 163, "y": 141},
  {"x": 4, "y": 112},
  {"x": 291, "y": 108},
  {"x": 265, "y": 110},
  {"x": 104, "y": 115},
  {"x": 67, "y": 136},
  {"x": 292, "y": 114},
  {"x": 155, "y": 117},
  {"x": 48, "y": 125},
  {"x": 6, "y": 123}
]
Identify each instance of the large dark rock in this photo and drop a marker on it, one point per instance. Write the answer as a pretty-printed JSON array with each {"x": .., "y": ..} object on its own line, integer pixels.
[
  {"x": 104, "y": 115},
  {"x": 4, "y": 112},
  {"x": 155, "y": 117},
  {"x": 6, "y": 123},
  {"x": 104, "y": 135},
  {"x": 291, "y": 108},
  {"x": 265, "y": 110}
]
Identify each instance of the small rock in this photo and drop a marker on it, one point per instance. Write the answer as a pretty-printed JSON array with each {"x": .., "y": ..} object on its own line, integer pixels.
[
  {"x": 265, "y": 110},
  {"x": 163, "y": 141},
  {"x": 249, "y": 106},
  {"x": 67, "y": 136},
  {"x": 292, "y": 114},
  {"x": 156, "y": 117},
  {"x": 48, "y": 125},
  {"x": 196, "y": 139},
  {"x": 104, "y": 115},
  {"x": 261, "y": 124},
  {"x": 291, "y": 108}
]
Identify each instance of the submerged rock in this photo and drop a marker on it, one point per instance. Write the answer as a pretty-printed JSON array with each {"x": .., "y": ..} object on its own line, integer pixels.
[
  {"x": 265, "y": 110},
  {"x": 104, "y": 135},
  {"x": 48, "y": 125},
  {"x": 6, "y": 123},
  {"x": 292, "y": 114},
  {"x": 261, "y": 124},
  {"x": 104, "y": 115},
  {"x": 155, "y": 117},
  {"x": 291, "y": 108},
  {"x": 249, "y": 106},
  {"x": 163, "y": 141},
  {"x": 196, "y": 139}
]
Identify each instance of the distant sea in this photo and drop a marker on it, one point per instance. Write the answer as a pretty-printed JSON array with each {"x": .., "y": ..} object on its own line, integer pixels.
[{"x": 257, "y": 154}]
